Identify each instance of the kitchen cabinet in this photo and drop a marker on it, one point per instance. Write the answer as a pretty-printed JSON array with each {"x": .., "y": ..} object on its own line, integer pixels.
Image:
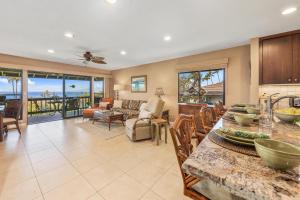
[{"x": 279, "y": 59}]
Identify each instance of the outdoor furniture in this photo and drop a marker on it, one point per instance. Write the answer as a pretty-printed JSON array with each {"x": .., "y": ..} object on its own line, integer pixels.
[
  {"x": 105, "y": 104},
  {"x": 107, "y": 116},
  {"x": 2, "y": 108},
  {"x": 157, "y": 124},
  {"x": 12, "y": 114},
  {"x": 140, "y": 128},
  {"x": 2, "y": 100},
  {"x": 72, "y": 104}
]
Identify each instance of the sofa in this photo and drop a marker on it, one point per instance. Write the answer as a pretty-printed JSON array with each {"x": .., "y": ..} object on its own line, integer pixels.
[
  {"x": 139, "y": 128},
  {"x": 105, "y": 104},
  {"x": 130, "y": 108}
]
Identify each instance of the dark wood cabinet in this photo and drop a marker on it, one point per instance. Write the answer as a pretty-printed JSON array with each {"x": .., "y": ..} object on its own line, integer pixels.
[
  {"x": 279, "y": 59},
  {"x": 296, "y": 58}
]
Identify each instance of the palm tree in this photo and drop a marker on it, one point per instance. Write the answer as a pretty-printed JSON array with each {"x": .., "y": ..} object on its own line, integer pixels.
[
  {"x": 14, "y": 83},
  {"x": 210, "y": 75},
  {"x": 217, "y": 72}
]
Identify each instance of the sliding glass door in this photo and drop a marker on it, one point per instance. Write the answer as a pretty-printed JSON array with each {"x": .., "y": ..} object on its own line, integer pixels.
[{"x": 77, "y": 95}]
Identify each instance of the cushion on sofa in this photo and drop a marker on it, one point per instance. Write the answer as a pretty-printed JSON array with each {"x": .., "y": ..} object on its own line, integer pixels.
[
  {"x": 125, "y": 103},
  {"x": 134, "y": 104}
]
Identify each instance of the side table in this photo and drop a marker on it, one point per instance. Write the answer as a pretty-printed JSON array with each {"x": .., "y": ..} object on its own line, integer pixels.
[{"x": 159, "y": 123}]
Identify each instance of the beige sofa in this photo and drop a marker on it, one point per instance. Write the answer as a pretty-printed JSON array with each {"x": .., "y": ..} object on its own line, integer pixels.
[
  {"x": 139, "y": 128},
  {"x": 130, "y": 108}
]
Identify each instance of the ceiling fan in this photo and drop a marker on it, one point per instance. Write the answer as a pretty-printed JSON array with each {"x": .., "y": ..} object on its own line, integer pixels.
[{"x": 89, "y": 57}]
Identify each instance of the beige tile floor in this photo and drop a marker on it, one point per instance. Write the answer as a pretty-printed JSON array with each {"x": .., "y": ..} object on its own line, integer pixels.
[{"x": 72, "y": 160}]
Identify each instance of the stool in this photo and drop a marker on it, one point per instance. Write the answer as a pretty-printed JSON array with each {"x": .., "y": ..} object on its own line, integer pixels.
[{"x": 159, "y": 123}]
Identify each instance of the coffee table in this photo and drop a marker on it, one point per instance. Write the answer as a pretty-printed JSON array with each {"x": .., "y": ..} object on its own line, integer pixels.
[{"x": 107, "y": 116}]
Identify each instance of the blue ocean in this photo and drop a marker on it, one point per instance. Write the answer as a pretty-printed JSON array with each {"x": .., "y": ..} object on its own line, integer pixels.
[{"x": 41, "y": 94}]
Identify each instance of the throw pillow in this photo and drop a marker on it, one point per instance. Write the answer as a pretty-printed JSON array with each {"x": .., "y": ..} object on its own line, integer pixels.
[
  {"x": 103, "y": 104},
  {"x": 145, "y": 114},
  {"x": 117, "y": 104},
  {"x": 144, "y": 106}
]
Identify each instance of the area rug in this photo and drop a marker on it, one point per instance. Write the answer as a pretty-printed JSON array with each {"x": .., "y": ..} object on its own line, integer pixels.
[{"x": 101, "y": 129}]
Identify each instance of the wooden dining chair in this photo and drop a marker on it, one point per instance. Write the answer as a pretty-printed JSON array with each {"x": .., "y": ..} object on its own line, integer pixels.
[
  {"x": 207, "y": 119},
  {"x": 181, "y": 132},
  {"x": 12, "y": 114}
]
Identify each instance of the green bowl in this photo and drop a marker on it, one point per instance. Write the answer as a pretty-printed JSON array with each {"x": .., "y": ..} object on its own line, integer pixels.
[
  {"x": 278, "y": 155},
  {"x": 252, "y": 110},
  {"x": 286, "y": 117},
  {"x": 244, "y": 119}
]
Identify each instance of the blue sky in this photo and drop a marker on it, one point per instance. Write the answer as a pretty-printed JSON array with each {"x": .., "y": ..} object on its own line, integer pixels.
[
  {"x": 52, "y": 85},
  {"x": 6, "y": 87},
  {"x": 55, "y": 85}
]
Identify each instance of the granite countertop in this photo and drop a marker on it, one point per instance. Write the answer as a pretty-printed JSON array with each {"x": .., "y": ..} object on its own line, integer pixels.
[{"x": 243, "y": 175}]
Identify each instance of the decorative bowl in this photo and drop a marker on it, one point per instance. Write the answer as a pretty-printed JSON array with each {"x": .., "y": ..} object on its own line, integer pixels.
[
  {"x": 253, "y": 110},
  {"x": 287, "y": 117},
  {"x": 278, "y": 155},
  {"x": 244, "y": 119}
]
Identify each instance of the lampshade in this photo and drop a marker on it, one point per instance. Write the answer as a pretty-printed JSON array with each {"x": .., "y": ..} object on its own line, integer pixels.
[
  {"x": 159, "y": 92},
  {"x": 118, "y": 87}
]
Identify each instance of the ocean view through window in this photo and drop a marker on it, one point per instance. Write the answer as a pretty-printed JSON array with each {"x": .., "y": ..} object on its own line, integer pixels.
[{"x": 207, "y": 86}]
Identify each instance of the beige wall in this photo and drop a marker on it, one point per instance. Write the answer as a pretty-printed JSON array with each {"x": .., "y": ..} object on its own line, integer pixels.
[
  {"x": 26, "y": 64},
  {"x": 164, "y": 74}
]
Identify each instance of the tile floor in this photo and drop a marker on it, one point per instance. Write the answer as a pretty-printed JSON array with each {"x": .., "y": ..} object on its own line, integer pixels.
[{"x": 70, "y": 160}]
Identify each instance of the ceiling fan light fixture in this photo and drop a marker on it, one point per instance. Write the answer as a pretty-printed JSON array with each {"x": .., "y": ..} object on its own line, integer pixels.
[
  {"x": 69, "y": 35},
  {"x": 111, "y": 1}
]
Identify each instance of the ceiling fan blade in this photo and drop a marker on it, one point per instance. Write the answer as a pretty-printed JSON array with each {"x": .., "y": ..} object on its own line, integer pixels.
[
  {"x": 98, "y": 58},
  {"x": 98, "y": 61}
]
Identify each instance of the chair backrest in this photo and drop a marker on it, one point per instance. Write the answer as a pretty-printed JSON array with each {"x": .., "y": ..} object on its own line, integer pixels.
[
  {"x": 13, "y": 109},
  {"x": 155, "y": 106},
  {"x": 181, "y": 132},
  {"x": 72, "y": 103},
  {"x": 207, "y": 118}
]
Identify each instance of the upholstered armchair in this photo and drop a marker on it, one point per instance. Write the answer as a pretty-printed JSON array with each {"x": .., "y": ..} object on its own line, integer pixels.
[{"x": 140, "y": 128}]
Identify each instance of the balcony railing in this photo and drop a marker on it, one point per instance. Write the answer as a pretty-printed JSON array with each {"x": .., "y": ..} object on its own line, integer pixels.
[{"x": 53, "y": 105}]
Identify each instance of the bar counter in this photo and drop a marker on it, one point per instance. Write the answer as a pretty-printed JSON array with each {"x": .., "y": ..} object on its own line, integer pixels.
[{"x": 242, "y": 175}]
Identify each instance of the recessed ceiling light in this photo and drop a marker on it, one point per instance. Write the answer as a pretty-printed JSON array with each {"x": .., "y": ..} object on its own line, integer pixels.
[
  {"x": 69, "y": 35},
  {"x": 167, "y": 38},
  {"x": 123, "y": 53},
  {"x": 289, "y": 11},
  {"x": 51, "y": 51},
  {"x": 111, "y": 1}
]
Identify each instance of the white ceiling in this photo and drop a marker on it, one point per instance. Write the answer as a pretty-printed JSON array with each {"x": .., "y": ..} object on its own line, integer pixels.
[{"x": 29, "y": 27}]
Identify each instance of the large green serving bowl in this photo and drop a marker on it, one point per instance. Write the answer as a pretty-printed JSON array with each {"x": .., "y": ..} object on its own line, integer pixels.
[
  {"x": 253, "y": 110},
  {"x": 287, "y": 117},
  {"x": 278, "y": 155},
  {"x": 244, "y": 119}
]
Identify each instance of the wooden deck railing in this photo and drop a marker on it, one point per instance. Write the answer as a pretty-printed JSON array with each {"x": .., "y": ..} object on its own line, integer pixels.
[{"x": 52, "y": 105}]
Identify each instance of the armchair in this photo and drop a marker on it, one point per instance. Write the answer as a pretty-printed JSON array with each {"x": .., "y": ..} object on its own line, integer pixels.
[{"x": 140, "y": 128}]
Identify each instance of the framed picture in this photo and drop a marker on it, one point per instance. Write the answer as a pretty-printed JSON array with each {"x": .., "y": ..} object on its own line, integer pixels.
[{"x": 139, "y": 83}]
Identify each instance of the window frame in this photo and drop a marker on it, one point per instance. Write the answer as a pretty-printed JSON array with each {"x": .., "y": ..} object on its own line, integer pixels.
[{"x": 199, "y": 71}]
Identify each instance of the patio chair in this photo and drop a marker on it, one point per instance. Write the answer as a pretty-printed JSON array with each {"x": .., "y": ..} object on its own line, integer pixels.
[
  {"x": 73, "y": 105},
  {"x": 12, "y": 114}
]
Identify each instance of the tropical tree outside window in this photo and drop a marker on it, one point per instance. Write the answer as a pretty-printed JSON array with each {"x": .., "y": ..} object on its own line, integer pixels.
[
  {"x": 98, "y": 89},
  {"x": 201, "y": 86},
  {"x": 10, "y": 83}
]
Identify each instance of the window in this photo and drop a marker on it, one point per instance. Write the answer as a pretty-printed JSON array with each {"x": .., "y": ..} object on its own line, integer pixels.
[
  {"x": 98, "y": 89},
  {"x": 10, "y": 84},
  {"x": 201, "y": 86}
]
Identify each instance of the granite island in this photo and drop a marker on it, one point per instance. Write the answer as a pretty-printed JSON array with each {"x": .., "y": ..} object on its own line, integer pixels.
[{"x": 242, "y": 175}]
